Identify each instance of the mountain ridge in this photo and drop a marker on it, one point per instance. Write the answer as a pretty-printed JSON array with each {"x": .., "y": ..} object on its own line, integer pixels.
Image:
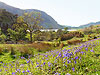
[
  {"x": 89, "y": 24},
  {"x": 83, "y": 26},
  {"x": 48, "y": 22}
]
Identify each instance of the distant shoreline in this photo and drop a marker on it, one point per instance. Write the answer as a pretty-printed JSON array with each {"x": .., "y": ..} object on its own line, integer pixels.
[{"x": 57, "y": 29}]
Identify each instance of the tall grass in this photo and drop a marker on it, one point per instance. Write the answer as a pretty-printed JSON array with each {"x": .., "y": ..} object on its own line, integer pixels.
[{"x": 80, "y": 60}]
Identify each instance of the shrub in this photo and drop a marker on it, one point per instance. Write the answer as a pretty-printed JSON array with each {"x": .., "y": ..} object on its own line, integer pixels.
[
  {"x": 0, "y": 51},
  {"x": 74, "y": 41},
  {"x": 5, "y": 50},
  {"x": 61, "y": 45},
  {"x": 42, "y": 46},
  {"x": 70, "y": 35},
  {"x": 25, "y": 51},
  {"x": 66, "y": 37},
  {"x": 2, "y": 38},
  {"x": 89, "y": 38},
  {"x": 12, "y": 51}
]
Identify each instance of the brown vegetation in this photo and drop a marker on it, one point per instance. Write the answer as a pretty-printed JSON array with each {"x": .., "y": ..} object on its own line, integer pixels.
[
  {"x": 0, "y": 50},
  {"x": 71, "y": 35},
  {"x": 42, "y": 46},
  {"x": 70, "y": 42}
]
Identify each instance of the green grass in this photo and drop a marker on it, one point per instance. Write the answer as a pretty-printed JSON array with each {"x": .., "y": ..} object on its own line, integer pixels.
[{"x": 89, "y": 64}]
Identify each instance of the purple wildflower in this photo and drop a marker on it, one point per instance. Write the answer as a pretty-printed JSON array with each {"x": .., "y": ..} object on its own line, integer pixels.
[
  {"x": 75, "y": 62},
  {"x": 86, "y": 49},
  {"x": 80, "y": 58},
  {"x": 73, "y": 69},
  {"x": 28, "y": 61},
  {"x": 56, "y": 73},
  {"x": 49, "y": 64},
  {"x": 23, "y": 71},
  {"x": 44, "y": 63},
  {"x": 13, "y": 73},
  {"x": 64, "y": 59},
  {"x": 76, "y": 57},
  {"x": 46, "y": 55},
  {"x": 64, "y": 50},
  {"x": 37, "y": 66},
  {"x": 0, "y": 70},
  {"x": 59, "y": 55},
  {"x": 22, "y": 57},
  {"x": 27, "y": 71},
  {"x": 68, "y": 61},
  {"x": 82, "y": 52},
  {"x": 18, "y": 70},
  {"x": 37, "y": 63},
  {"x": 92, "y": 50},
  {"x": 68, "y": 74},
  {"x": 65, "y": 65}
]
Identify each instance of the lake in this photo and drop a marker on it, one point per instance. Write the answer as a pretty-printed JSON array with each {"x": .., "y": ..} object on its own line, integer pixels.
[{"x": 57, "y": 30}]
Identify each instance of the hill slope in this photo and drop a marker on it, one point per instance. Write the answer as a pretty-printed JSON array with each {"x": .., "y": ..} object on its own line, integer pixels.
[
  {"x": 6, "y": 19},
  {"x": 48, "y": 22},
  {"x": 89, "y": 24}
]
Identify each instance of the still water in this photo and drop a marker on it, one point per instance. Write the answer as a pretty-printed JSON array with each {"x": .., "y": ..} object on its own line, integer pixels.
[{"x": 57, "y": 29}]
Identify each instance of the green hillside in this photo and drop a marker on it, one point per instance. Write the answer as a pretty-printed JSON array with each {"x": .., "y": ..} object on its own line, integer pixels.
[{"x": 48, "y": 22}]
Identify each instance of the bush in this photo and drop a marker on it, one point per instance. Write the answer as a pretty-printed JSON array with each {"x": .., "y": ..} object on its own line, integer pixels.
[
  {"x": 5, "y": 50},
  {"x": 88, "y": 31},
  {"x": 42, "y": 46},
  {"x": 0, "y": 51},
  {"x": 66, "y": 37},
  {"x": 70, "y": 42},
  {"x": 2, "y": 38},
  {"x": 25, "y": 51},
  {"x": 12, "y": 51},
  {"x": 70, "y": 35}
]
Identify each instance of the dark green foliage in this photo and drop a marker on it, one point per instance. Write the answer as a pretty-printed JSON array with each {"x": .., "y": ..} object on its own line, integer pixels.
[
  {"x": 18, "y": 31},
  {"x": 5, "y": 50},
  {"x": 12, "y": 56},
  {"x": 45, "y": 36},
  {"x": 24, "y": 55},
  {"x": 2, "y": 37},
  {"x": 65, "y": 30},
  {"x": 6, "y": 20},
  {"x": 12, "y": 51},
  {"x": 17, "y": 35}
]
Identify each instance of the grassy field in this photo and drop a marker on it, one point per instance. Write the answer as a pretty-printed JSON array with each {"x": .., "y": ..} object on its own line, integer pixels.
[
  {"x": 46, "y": 58},
  {"x": 82, "y": 59}
]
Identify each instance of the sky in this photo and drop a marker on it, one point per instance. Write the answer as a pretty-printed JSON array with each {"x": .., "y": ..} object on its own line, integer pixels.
[{"x": 65, "y": 12}]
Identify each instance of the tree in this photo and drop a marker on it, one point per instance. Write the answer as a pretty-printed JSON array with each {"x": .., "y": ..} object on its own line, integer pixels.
[
  {"x": 2, "y": 37},
  {"x": 18, "y": 30},
  {"x": 59, "y": 33},
  {"x": 16, "y": 35},
  {"x": 65, "y": 30},
  {"x": 32, "y": 20}
]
